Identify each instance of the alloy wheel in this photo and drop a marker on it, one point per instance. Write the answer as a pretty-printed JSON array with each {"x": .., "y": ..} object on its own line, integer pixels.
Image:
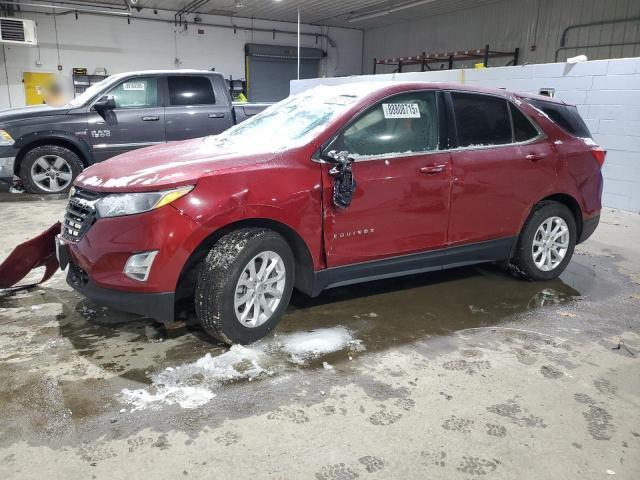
[
  {"x": 51, "y": 173},
  {"x": 550, "y": 243},
  {"x": 259, "y": 289}
]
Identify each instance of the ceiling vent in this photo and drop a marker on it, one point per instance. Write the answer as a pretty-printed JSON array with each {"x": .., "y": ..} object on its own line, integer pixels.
[{"x": 18, "y": 31}]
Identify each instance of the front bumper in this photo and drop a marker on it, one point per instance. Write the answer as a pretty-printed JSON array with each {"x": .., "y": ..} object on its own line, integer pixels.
[
  {"x": 159, "y": 306},
  {"x": 6, "y": 166},
  {"x": 104, "y": 249},
  {"x": 97, "y": 260}
]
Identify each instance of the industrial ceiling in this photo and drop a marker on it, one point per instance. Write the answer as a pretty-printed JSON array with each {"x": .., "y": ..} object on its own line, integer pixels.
[{"x": 360, "y": 14}]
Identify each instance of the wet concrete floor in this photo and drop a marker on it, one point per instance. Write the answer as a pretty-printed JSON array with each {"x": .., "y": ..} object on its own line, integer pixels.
[{"x": 461, "y": 374}]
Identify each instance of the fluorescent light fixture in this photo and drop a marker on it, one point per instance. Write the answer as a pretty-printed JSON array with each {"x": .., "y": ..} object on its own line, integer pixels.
[{"x": 387, "y": 11}]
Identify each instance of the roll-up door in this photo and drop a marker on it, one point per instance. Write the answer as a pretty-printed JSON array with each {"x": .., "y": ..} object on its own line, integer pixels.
[{"x": 269, "y": 68}]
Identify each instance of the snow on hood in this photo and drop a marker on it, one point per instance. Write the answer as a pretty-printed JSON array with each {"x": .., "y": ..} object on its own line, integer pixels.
[{"x": 164, "y": 166}]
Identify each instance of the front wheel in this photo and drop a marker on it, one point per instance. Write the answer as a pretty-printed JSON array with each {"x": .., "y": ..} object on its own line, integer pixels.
[
  {"x": 546, "y": 243},
  {"x": 245, "y": 285},
  {"x": 49, "y": 169}
]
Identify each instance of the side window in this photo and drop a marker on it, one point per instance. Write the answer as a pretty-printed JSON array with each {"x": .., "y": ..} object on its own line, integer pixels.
[
  {"x": 190, "y": 90},
  {"x": 402, "y": 124},
  {"x": 481, "y": 119},
  {"x": 139, "y": 92},
  {"x": 523, "y": 129}
]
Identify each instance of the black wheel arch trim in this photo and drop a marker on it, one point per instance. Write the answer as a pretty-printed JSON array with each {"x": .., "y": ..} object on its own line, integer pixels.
[
  {"x": 35, "y": 139},
  {"x": 568, "y": 201}
]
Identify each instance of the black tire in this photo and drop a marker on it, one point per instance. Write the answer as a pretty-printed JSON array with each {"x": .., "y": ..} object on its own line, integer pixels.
[
  {"x": 73, "y": 166},
  {"x": 522, "y": 263},
  {"x": 218, "y": 278}
]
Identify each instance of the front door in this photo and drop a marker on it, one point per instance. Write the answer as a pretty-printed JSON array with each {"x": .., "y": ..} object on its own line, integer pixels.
[
  {"x": 401, "y": 201},
  {"x": 137, "y": 121},
  {"x": 194, "y": 109}
]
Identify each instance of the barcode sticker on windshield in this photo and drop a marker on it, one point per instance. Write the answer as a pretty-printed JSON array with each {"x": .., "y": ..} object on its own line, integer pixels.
[
  {"x": 401, "y": 110},
  {"x": 140, "y": 86}
]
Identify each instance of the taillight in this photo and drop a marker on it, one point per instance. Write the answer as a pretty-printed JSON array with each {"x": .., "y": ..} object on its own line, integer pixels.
[{"x": 599, "y": 154}]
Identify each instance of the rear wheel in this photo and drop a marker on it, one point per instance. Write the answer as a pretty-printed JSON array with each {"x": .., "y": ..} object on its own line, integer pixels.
[
  {"x": 245, "y": 285},
  {"x": 49, "y": 169},
  {"x": 546, "y": 243}
]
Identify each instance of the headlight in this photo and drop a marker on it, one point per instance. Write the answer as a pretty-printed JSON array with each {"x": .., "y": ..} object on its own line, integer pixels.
[
  {"x": 5, "y": 139},
  {"x": 118, "y": 204}
]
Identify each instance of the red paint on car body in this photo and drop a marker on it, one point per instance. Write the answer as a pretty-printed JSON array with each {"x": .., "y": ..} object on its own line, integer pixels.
[{"x": 397, "y": 209}]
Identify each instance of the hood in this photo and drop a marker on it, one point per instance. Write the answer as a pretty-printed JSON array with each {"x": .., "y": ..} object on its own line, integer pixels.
[
  {"x": 32, "y": 111},
  {"x": 165, "y": 166}
]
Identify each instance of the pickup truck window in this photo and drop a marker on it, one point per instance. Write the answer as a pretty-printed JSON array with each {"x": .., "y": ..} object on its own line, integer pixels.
[
  {"x": 406, "y": 123},
  {"x": 287, "y": 123},
  {"x": 138, "y": 92},
  {"x": 481, "y": 119},
  {"x": 190, "y": 90}
]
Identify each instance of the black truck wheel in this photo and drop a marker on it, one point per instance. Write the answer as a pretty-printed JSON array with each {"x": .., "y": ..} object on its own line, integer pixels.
[
  {"x": 245, "y": 285},
  {"x": 546, "y": 243},
  {"x": 49, "y": 169}
]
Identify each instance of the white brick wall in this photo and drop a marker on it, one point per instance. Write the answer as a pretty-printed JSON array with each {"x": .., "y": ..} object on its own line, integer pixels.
[{"x": 606, "y": 92}]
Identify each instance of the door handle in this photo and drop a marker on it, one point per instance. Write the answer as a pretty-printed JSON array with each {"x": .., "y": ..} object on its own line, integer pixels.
[
  {"x": 150, "y": 119},
  {"x": 216, "y": 115},
  {"x": 432, "y": 169},
  {"x": 534, "y": 157}
]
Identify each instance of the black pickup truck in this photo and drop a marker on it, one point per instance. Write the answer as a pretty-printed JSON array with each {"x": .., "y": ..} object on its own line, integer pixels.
[{"x": 48, "y": 147}]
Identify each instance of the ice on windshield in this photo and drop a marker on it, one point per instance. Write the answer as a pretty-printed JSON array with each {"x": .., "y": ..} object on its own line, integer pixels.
[{"x": 290, "y": 122}]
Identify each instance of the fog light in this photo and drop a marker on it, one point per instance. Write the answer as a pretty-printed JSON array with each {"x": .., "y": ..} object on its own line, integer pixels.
[{"x": 138, "y": 266}]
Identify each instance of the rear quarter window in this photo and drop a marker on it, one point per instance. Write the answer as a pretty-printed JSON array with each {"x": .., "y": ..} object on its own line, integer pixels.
[{"x": 565, "y": 116}]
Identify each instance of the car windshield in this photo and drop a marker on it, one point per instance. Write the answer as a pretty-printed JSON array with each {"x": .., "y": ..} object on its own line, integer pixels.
[{"x": 290, "y": 122}]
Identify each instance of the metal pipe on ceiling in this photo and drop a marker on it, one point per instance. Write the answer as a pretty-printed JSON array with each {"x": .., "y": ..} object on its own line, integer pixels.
[
  {"x": 233, "y": 27},
  {"x": 71, "y": 5}
]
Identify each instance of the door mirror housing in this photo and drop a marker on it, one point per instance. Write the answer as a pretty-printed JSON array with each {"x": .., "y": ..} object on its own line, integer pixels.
[
  {"x": 105, "y": 103},
  {"x": 344, "y": 185}
]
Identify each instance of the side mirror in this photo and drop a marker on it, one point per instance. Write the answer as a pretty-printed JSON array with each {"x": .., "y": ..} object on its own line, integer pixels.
[
  {"x": 105, "y": 103},
  {"x": 344, "y": 184}
]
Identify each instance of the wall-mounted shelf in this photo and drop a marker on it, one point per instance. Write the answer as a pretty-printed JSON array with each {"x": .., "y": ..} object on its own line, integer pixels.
[
  {"x": 426, "y": 59},
  {"x": 83, "y": 81}
]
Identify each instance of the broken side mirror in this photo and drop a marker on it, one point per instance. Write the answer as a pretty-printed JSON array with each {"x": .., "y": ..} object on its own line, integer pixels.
[{"x": 344, "y": 185}]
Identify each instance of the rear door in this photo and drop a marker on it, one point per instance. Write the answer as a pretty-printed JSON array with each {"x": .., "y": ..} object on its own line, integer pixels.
[
  {"x": 137, "y": 121},
  {"x": 196, "y": 107},
  {"x": 503, "y": 164},
  {"x": 401, "y": 202}
]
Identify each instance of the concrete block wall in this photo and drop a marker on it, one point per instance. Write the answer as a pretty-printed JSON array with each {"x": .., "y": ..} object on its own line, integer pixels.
[{"x": 606, "y": 92}]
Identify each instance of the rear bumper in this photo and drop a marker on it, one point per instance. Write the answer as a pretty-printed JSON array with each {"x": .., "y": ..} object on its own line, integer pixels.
[
  {"x": 159, "y": 306},
  {"x": 588, "y": 227}
]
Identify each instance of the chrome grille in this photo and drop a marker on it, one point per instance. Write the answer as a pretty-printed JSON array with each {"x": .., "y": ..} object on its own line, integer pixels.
[{"x": 80, "y": 214}]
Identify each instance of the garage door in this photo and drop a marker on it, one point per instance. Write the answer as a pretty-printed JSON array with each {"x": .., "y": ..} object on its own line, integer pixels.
[{"x": 269, "y": 68}]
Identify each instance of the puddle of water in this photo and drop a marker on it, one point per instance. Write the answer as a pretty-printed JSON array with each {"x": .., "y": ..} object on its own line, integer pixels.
[{"x": 406, "y": 309}]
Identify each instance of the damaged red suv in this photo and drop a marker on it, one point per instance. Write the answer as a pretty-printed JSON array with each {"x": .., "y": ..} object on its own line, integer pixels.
[{"x": 329, "y": 187}]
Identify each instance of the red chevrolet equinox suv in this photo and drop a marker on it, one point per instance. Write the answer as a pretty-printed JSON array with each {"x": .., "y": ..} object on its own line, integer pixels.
[{"x": 333, "y": 186}]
